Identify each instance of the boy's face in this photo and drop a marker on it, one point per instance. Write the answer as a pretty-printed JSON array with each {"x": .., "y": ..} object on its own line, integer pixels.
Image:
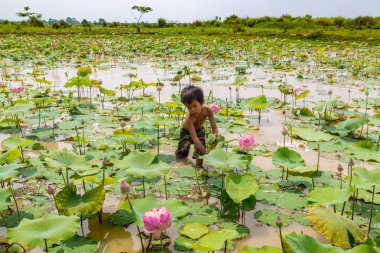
[{"x": 194, "y": 107}]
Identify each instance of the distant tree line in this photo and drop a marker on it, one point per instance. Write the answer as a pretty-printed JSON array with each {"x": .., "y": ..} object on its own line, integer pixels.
[{"x": 238, "y": 24}]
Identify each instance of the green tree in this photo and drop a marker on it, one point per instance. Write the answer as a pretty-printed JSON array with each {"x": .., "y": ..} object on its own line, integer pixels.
[
  {"x": 162, "y": 22},
  {"x": 142, "y": 10},
  {"x": 34, "y": 19},
  {"x": 86, "y": 24}
]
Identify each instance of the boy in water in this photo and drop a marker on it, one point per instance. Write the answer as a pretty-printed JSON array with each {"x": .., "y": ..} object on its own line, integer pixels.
[{"x": 192, "y": 131}]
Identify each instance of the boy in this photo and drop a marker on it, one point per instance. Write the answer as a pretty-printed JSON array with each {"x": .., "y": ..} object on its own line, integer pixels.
[{"x": 192, "y": 131}]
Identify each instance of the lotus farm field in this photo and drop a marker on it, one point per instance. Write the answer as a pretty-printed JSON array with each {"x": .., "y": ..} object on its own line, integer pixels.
[{"x": 89, "y": 127}]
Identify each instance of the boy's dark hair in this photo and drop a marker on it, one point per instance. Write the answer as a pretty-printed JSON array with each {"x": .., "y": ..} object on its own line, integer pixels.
[{"x": 191, "y": 93}]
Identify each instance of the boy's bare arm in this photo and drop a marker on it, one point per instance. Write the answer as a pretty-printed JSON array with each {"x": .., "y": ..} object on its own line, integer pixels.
[
  {"x": 212, "y": 122},
  {"x": 195, "y": 138}
]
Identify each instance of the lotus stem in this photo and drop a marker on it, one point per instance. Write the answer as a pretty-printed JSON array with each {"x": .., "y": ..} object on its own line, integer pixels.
[
  {"x": 81, "y": 224},
  {"x": 149, "y": 242},
  {"x": 319, "y": 155},
  {"x": 344, "y": 205},
  {"x": 14, "y": 198},
  {"x": 334, "y": 208},
  {"x": 370, "y": 218},
  {"x": 67, "y": 175},
  {"x": 225, "y": 246},
  {"x": 10, "y": 246},
  {"x": 353, "y": 205},
  {"x": 143, "y": 182},
  {"x": 162, "y": 244},
  {"x": 141, "y": 241},
  {"x": 166, "y": 192},
  {"x": 158, "y": 139},
  {"x": 350, "y": 169},
  {"x": 227, "y": 109},
  {"x": 196, "y": 177},
  {"x": 84, "y": 186},
  {"x": 282, "y": 243},
  {"x": 46, "y": 246}
]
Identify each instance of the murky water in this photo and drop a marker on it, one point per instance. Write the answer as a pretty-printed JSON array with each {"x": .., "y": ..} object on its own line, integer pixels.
[{"x": 218, "y": 80}]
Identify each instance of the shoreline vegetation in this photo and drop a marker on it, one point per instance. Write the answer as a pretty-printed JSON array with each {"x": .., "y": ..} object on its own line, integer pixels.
[{"x": 360, "y": 29}]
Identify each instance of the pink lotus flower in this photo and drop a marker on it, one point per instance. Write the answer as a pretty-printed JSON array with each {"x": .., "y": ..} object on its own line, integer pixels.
[
  {"x": 215, "y": 108},
  {"x": 247, "y": 143},
  {"x": 156, "y": 221},
  {"x": 17, "y": 89},
  {"x": 274, "y": 57},
  {"x": 296, "y": 90}
]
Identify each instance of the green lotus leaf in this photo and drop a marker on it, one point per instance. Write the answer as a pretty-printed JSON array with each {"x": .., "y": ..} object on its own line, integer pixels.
[
  {"x": 323, "y": 105},
  {"x": 269, "y": 217},
  {"x": 375, "y": 120},
  {"x": 194, "y": 230},
  {"x": 140, "y": 206},
  {"x": 5, "y": 198},
  {"x": 287, "y": 158},
  {"x": 336, "y": 228},
  {"x": 364, "y": 178},
  {"x": 137, "y": 138},
  {"x": 76, "y": 244},
  {"x": 310, "y": 134},
  {"x": 68, "y": 202},
  {"x": 215, "y": 240},
  {"x": 299, "y": 243},
  {"x": 121, "y": 218},
  {"x": 18, "y": 109},
  {"x": 328, "y": 196},
  {"x": 52, "y": 227},
  {"x": 9, "y": 171},
  {"x": 364, "y": 248},
  {"x": 183, "y": 243},
  {"x": 15, "y": 142},
  {"x": 259, "y": 102},
  {"x": 78, "y": 81},
  {"x": 305, "y": 171},
  {"x": 240, "y": 187},
  {"x": 264, "y": 249},
  {"x": 10, "y": 156},
  {"x": 141, "y": 164},
  {"x": 282, "y": 199},
  {"x": 364, "y": 150},
  {"x": 302, "y": 94},
  {"x": 62, "y": 159},
  {"x": 351, "y": 124},
  {"x": 224, "y": 160}
]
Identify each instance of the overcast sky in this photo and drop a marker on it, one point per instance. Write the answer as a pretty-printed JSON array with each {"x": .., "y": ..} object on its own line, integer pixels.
[{"x": 188, "y": 10}]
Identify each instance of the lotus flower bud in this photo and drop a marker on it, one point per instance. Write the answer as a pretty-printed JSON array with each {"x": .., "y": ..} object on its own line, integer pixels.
[
  {"x": 124, "y": 187},
  {"x": 279, "y": 222},
  {"x": 284, "y": 131},
  {"x": 351, "y": 162},
  {"x": 339, "y": 167},
  {"x": 51, "y": 189},
  {"x": 330, "y": 92},
  {"x": 123, "y": 123},
  {"x": 104, "y": 161},
  {"x": 215, "y": 108},
  {"x": 366, "y": 92},
  {"x": 156, "y": 221}
]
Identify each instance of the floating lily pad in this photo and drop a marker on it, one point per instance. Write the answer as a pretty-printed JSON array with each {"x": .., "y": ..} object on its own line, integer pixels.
[
  {"x": 264, "y": 249},
  {"x": 52, "y": 227},
  {"x": 269, "y": 217},
  {"x": 215, "y": 240},
  {"x": 194, "y": 230}
]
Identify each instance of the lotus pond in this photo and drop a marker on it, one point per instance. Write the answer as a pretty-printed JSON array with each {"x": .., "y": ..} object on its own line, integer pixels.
[{"x": 89, "y": 127}]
